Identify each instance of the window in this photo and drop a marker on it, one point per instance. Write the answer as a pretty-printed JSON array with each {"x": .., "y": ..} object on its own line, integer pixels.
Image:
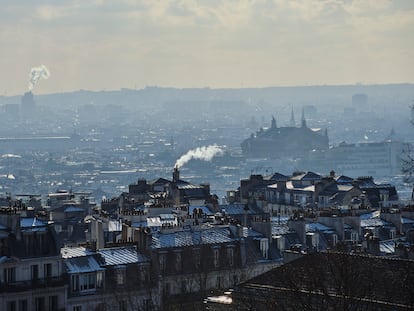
[
  {"x": 144, "y": 275},
  {"x": 77, "y": 308},
  {"x": 47, "y": 270},
  {"x": 75, "y": 283},
  {"x": 123, "y": 305},
  {"x": 53, "y": 303},
  {"x": 10, "y": 275},
  {"x": 334, "y": 239},
  {"x": 167, "y": 288},
  {"x": 162, "y": 262},
  {"x": 23, "y": 305},
  {"x": 34, "y": 272},
  {"x": 99, "y": 279},
  {"x": 87, "y": 281},
  {"x": 219, "y": 281},
  {"x": 197, "y": 258},
  {"x": 120, "y": 276},
  {"x": 39, "y": 303},
  {"x": 147, "y": 304},
  {"x": 235, "y": 279},
  {"x": 183, "y": 286},
  {"x": 11, "y": 306},
  {"x": 178, "y": 261},
  {"x": 216, "y": 257},
  {"x": 230, "y": 255},
  {"x": 354, "y": 237}
]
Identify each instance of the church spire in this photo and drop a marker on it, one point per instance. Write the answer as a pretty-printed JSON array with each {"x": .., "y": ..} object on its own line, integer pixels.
[
  {"x": 292, "y": 119},
  {"x": 303, "y": 118},
  {"x": 273, "y": 122}
]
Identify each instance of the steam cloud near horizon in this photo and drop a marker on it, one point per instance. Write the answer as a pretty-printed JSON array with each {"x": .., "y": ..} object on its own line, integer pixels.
[
  {"x": 36, "y": 74},
  {"x": 205, "y": 153}
]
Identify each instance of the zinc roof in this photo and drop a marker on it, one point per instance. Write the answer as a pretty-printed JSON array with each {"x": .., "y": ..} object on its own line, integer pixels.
[
  {"x": 82, "y": 264},
  {"x": 70, "y": 252},
  {"x": 189, "y": 238},
  {"x": 121, "y": 256}
]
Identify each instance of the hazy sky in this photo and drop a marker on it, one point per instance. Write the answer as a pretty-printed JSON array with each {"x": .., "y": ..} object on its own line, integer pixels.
[{"x": 111, "y": 44}]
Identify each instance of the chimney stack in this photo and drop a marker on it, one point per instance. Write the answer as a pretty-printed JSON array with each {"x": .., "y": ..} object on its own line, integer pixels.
[{"x": 176, "y": 174}]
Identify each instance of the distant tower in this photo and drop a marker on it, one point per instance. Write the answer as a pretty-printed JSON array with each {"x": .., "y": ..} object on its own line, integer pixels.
[
  {"x": 274, "y": 123},
  {"x": 28, "y": 105},
  {"x": 292, "y": 119},
  {"x": 303, "y": 118}
]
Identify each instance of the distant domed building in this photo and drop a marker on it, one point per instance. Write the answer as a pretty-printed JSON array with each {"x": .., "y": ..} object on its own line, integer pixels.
[{"x": 290, "y": 141}]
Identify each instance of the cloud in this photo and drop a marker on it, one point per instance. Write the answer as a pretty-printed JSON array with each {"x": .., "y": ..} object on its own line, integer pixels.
[{"x": 205, "y": 42}]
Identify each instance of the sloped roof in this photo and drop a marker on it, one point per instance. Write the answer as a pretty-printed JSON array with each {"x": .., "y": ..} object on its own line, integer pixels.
[
  {"x": 82, "y": 264},
  {"x": 189, "y": 238},
  {"x": 276, "y": 177},
  {"x": 159, "y": 181},
  {"x": 317, "y": 226},
  {"x": 343, "y": 179},
  {"x": 121, "y": 256},
  {"x": 306, "y": 176},
  {"x": 236, "y": 209},
  {"x": 70, "y": 252},
  {"x": 31, "y": 222}
]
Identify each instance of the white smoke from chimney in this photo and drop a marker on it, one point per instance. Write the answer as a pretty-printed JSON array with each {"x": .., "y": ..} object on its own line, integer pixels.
[
  {"x": 37, "y": 73},
  {"x": 205, "y": 153}
]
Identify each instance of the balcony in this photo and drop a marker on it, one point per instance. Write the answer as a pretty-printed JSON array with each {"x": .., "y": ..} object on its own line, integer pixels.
[{"x": 21, "y": 286}]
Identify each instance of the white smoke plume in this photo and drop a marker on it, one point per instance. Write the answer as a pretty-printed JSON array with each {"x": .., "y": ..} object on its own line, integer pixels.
[
  {"x": 37, "y": 73},
  {"x": 205, "y": 153}
]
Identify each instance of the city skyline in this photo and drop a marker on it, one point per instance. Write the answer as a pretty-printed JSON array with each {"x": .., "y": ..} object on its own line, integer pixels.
[{"x": 102, "y": 45}]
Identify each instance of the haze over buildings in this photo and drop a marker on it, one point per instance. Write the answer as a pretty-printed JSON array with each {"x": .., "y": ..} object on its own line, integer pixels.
[{"x": 132, "y": 44}]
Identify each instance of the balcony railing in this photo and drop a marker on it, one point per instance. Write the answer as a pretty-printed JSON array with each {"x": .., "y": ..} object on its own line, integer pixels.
[{"x": 20, "y": 286}]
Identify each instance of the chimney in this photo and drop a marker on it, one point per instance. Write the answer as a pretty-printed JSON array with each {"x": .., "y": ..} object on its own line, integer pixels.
[{"x": 176, "y": 174}]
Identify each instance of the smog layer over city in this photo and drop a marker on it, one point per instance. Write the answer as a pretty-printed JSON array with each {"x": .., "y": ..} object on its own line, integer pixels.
[{"x": 207, "y": 155}]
